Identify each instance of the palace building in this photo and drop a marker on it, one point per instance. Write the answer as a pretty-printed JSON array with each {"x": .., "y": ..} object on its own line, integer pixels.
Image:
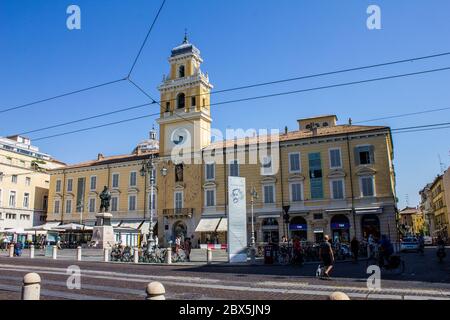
[{"x": 335, "y": 179}]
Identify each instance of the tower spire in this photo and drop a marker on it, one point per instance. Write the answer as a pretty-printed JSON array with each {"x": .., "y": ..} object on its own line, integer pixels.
[{"x": 185, "y": 36}]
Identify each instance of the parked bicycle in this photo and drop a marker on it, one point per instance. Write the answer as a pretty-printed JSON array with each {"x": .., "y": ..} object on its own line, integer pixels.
[{"x": 122, "y": 254}]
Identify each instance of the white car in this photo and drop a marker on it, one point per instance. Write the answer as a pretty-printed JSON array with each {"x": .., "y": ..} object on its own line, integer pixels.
[
  {"x": 427, "y": 240},
  {"x": 409, "y": 244}
]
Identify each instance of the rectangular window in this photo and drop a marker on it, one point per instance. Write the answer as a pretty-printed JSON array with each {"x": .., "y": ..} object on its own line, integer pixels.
[
  {"x": 296, "y": 192},
  {"x": 367, "y": 186},
  {"x": 318, "y": 216},
  {"x": 58, "y": 185},
  {"x": 12, "y": 199},
  {"x": 93, "y": 183},
  {"x": 56, "y": 206},
  {"x": 114, "y": 204},
  {"x": 132, "y": 203},
  {"x": 193, "y": 101},
  {"x": 81, "y": 185},
  {"x": 115, "y": 180},
  {"x": 26, "y": 200},
  {"x": 92, "y": 205},
  {"x": 210, "y": 171},
  {"x": 337, "y": 189},
  {"x": 335, "y": 158},
  {"x": 27, "y": 181},
  {"x": 294, "y": 162},
  {"x": 14, "y": 178},
  {"x": 68, "y": 206},
  {"x": 234, "y": 168},
  {"x": 178, "y": 199},
  {"x": 69, "y": 185},
  {"x": 364, "y": 155},
  {"x": 269, "y": 194},
  {"x": 210, "y": 198},
  {"x": 315, "y": 175},
  {"x": 133, "y": 176}
]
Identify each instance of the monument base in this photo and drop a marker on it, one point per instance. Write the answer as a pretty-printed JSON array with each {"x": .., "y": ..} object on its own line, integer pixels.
[{"x": 103, "y": 232}]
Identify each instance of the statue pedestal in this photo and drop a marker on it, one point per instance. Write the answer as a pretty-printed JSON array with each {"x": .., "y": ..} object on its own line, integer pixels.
[{"x": 103, "y": 232}]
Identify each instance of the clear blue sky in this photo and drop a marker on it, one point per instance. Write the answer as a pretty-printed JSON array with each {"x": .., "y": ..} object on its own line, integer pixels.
[{"x": 242, "y": 42}]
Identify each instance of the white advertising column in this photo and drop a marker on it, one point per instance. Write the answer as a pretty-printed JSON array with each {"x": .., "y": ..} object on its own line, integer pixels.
[{"x": 237, "y": 220}]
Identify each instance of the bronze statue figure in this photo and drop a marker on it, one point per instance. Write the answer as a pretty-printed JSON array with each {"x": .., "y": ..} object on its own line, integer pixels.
[{"x": 105, "y": 198}]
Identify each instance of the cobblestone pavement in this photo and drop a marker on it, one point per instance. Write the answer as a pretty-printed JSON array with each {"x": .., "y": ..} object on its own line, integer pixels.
[{"x": 424, "y": 278}]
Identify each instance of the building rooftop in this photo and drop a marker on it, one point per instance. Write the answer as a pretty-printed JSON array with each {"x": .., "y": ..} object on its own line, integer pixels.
[
  {"x": 409, "y": 210},
  {"x": 298, "y": 135}
]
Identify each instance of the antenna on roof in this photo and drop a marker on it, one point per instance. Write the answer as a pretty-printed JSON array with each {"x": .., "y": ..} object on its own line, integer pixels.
[{"x": 441, "y": 164}]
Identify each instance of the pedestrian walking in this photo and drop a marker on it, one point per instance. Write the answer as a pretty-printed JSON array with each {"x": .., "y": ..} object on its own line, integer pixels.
[
  {"x": 187, "y": 248},
  {"x": 327, "y": 256},
  {"x": 354, "y": 246}
]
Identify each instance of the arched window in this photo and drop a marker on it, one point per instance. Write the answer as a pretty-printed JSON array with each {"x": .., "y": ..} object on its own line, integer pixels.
[
  {"x": 340, "y": 228},
  {"x": 180, "y": 101},
  {"x": 298, "y": 228},
  {"x": 181, "y": 71}
]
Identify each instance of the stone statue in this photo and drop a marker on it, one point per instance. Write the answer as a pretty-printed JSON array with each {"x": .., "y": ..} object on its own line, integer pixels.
[
  {"x": 179, "y": 173},
  {"x": 105, "y": 198}
]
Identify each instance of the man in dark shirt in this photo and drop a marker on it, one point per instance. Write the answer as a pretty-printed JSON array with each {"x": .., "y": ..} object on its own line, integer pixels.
[
  {"x": 354, "y": 245},
  {"x": 326, "y": 255}
]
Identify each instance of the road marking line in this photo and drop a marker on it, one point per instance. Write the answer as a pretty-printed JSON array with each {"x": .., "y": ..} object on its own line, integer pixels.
[{"x": 308, "y": 287}]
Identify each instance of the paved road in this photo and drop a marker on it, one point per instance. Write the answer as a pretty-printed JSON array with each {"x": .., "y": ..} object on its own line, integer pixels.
[{"x": 424, "y": 278}]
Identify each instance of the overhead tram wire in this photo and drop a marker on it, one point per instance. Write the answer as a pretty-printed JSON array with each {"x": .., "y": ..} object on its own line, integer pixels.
[
  {"x": 234, "y": 88},
  {"x": 403, "y": 115},
  {"x": 85, "y": 119},
  {"x": 317, "y": 75},
  {"x": 153, "y": 101},
  {"x": 4, "y": 110},
  {"x": 146, "y": 38},
  {"x": 95, "y": 127},
  {"x": 61, "y": 96},
  {"x": 428, "y": 127}
]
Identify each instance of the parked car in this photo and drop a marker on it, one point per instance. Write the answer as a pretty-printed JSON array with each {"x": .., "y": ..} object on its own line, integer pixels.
[
  {"x": 409, "y": 244},
  {"x": 428, "y": 241}
]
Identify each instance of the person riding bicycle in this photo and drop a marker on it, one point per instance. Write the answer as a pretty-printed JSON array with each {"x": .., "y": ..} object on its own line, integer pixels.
[{"x": 386, "y": 250}]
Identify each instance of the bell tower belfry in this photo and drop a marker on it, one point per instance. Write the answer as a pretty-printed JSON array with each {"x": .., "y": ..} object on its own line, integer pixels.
[{"x": 185, "y": 115}]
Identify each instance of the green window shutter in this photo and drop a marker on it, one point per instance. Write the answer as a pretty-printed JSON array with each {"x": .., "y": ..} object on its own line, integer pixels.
[
  {"x": 356, "y": 154},
  {"x": 372, "y": 154}
]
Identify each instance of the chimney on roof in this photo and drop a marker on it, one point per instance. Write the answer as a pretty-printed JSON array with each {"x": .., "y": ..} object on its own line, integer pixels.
[{"x": 100, "y": 156}]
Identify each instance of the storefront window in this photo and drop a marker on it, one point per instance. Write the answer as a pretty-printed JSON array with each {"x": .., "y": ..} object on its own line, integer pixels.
[
  {"x": 270, "y": 230},
  {"x": 298, "y": 227},
  {"x": 340, "y": 229},
  {"x": 370, "y": 225}
]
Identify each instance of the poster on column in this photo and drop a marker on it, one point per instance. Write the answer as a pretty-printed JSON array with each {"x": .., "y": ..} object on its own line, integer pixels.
[{"x": 237, "y": 220}]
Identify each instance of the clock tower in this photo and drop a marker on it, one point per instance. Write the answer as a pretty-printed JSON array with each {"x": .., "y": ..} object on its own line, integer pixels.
[{"x": 185, "y": 116}]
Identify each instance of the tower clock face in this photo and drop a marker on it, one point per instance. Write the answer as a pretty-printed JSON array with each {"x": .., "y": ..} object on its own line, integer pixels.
[{"x": 179, "y": 136}]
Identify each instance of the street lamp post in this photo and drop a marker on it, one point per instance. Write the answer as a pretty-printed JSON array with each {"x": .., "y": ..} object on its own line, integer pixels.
[
  {"x": 254, "y": 195},
  {"x": 148, "y": 167}
]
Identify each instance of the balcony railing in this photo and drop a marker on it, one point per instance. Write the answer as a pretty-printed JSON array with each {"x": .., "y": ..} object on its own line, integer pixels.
[{"x": 179, "y": 212}]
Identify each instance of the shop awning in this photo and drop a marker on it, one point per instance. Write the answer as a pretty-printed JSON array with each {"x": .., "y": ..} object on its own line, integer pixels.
[
  {"x": 369, "y": 210},
  {"x": 223, "y": 225},
  {"x": 208, "y": 225},
  {"x": 145, "y": 227},
  {"x": 73, "y": 226}
]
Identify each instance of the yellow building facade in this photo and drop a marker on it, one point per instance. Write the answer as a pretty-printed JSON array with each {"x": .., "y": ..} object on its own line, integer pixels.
[
  {"x": 440, "y": 195},
  {"x": 336, "y": 179},
  {"x": 24, "y": 183}
]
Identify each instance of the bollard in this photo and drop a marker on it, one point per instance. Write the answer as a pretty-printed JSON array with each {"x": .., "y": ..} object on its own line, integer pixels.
[
  {"x": 169, "y": 256},
  {"x": 31, "y": 289},
  {"x": 155, "y": 291},
  {"x": 105, "y": 255},
  {"x": 209, "y": 256},
  {"x": 11, "y": 250},
  {"x": 338, "y": 296},
  {"x": 55, "y": 252},
  {"x": 136, "y": 255},
  {"x": 252, "y": 255},
  {"x": 78, "y": 253},
  {"x": 32, "y": 252}
]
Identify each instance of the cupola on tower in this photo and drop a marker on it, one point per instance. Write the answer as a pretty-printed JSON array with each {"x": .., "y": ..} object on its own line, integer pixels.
[{"x": 185, "y": 117}]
